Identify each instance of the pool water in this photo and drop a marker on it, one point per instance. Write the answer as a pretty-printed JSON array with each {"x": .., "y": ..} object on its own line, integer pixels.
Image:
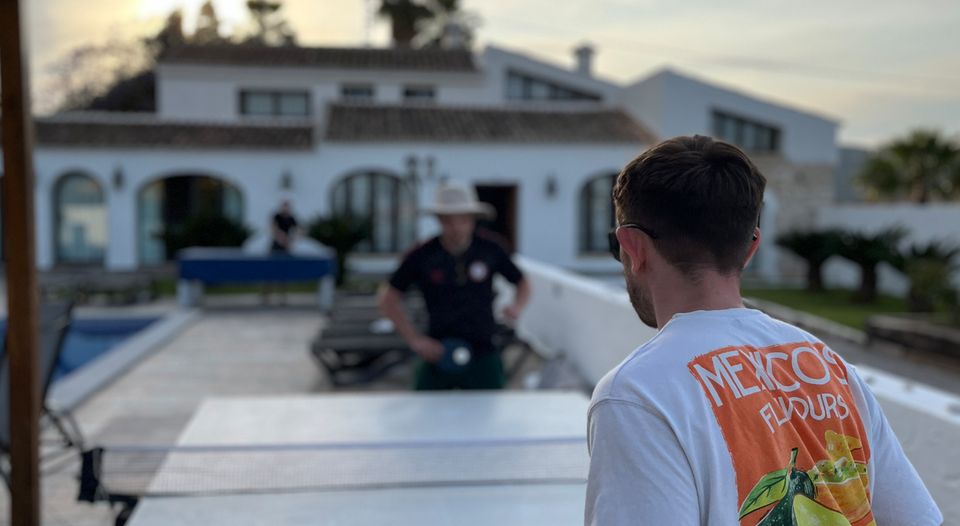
[{"x": 88, "y": 339}]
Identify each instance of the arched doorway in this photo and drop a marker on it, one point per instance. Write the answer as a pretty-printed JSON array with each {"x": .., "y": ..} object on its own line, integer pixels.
[
  {"x": 169, "y": 202},
  {"x": 80, "y": 220},
  {"x": 596, "y": 214},
  {"x": 386, "y": 201}
]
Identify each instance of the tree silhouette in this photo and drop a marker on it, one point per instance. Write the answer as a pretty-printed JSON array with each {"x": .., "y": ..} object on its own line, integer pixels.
[
  {"x": 271, "y": 28},
  {"x": 920, "y": 167},
  {"x": 208, "y": 26},
  {"x": 813, "y": 247},
  {"x": 867, "y": 251},
  {"x": 405, "y": 18}
]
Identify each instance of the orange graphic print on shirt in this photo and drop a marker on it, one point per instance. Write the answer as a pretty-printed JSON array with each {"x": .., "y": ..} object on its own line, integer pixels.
[{"x": 797, "y": 442}]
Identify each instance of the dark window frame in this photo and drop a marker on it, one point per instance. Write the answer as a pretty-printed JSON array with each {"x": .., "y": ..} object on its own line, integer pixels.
[
  {"x": 557, "y": 91},
  {"x": 720, "y": 118},
  {"x": 407, "y": 97},
  {"x": 275, "y": 96},
  {"x": 358, "y": 86},
  {"x": 588, "y": 245},
  {"x": 397, "y": 228},
  {"x": 57, "y": 198}
]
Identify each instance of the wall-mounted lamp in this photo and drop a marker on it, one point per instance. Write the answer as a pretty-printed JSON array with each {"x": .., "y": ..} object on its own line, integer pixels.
[
  {"x": 550, "y": 188},
  {"x": 412, "y": 167},
  {"x": 118, "y": 178},
  {"x": 286, "y": 180},
  {"x": 431, "y": 162}
]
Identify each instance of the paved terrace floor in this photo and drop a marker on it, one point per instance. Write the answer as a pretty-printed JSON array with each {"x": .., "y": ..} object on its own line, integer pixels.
[
  {"x": 237, "y": 347},
  {"x": 234, "y": 348}
]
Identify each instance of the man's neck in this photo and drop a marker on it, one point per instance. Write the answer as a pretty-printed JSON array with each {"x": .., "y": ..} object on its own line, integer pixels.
[{"x": 712, "y": 292}]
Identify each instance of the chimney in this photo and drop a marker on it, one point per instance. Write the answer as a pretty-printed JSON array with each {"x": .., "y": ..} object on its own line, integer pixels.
[{"x": 584, "y": 56}]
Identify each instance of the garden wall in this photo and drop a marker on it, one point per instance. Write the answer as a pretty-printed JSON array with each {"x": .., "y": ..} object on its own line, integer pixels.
[{"x": 926, "y": 223}]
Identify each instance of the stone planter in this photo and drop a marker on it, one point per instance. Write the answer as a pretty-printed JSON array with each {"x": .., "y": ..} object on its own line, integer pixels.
[{"x": 915, "y": 332}]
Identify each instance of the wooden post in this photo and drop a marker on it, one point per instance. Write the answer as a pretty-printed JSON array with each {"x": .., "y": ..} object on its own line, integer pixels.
[{"x": 22, "y": 295}]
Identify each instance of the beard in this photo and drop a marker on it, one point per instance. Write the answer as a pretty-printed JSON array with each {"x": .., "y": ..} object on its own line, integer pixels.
[{"x": 641, "y": 301}]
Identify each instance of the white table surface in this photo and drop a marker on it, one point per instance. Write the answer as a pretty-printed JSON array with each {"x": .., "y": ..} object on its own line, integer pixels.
[{"x": 374, "y": 418}]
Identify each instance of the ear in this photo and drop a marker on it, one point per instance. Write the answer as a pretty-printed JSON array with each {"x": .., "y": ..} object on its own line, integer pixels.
[
  {"x": 633, "y": 243},
  {"x": 754, "y": 246}
]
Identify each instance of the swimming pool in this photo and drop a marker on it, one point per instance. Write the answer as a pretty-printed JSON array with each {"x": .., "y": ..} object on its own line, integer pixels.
[{"x": 89, "y": 338}]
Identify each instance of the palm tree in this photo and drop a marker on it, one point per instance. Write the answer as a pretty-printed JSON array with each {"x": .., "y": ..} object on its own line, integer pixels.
[
  {"x": 271, "y": 27},
  {"x": 342, "y": 233},
  {"x": 868, "y": 251},
  {"x": 929, "y": 268},
  {"x": 921, "y": 166},
  {"x": 447, "y": 18},
  {"x": 208, "y": 26},
  {"x": 814, "y": 247},
  {"x": 405, "y": 17}
]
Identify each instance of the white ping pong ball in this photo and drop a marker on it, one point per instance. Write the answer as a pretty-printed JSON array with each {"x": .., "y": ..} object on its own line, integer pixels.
[{"x": 461, "y": 355}]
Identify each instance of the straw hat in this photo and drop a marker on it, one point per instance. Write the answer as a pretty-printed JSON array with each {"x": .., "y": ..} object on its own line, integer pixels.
[{"x": 457, "y": 198}]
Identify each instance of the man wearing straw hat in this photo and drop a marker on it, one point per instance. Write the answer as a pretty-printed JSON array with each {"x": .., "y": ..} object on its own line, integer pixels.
[{"x": 454, "y": 272}]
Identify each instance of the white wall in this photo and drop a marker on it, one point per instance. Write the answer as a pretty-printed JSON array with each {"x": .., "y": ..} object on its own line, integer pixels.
[
  {"x": 547, "y": 227},
  {"x": 590, "y": 323},
  {"x": 496, "y": 61},
  {"x": 673, "y": 104},
  {"x": 210, "y": 92},
  {"x": 595, "y": 327},
  {"x": 926, "y": 223},
  {"x": 256, "y": 174}
]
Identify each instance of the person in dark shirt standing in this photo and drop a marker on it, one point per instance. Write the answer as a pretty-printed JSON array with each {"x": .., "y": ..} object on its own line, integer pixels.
[
  {"x": 283, "y": 229},
  {"x": 454, "y": 272}
]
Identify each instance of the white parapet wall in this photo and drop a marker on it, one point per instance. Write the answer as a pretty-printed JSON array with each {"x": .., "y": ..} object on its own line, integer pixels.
[
  {"x": 593, "y": 325},
  {"x": 590, "y": 323}
]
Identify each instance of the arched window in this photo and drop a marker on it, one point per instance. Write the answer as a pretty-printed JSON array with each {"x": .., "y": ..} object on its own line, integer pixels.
[
  {"x": 386, "y": 201},
  {"x": 80, "y": 223},
  {"x": 171, "y": 201},
  {"x": 596, "y": 213}
]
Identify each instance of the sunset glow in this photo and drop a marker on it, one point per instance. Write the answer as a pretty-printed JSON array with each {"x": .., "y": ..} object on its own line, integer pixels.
[{"x": 232, "y": 13}]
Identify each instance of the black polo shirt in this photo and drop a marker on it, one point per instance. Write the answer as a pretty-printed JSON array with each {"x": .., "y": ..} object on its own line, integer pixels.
[{"x": 458, "y": 290}]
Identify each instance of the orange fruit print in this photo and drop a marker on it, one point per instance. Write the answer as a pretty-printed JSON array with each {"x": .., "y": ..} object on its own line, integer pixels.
[{"x": 795, "y": 437}]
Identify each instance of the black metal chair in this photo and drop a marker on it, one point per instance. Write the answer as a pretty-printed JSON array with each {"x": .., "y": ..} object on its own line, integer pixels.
[{"x": 55, "y": 320}]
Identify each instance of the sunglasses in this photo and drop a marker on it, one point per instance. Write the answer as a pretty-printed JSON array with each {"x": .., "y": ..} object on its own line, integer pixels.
[{"x": 615, "y": 243}]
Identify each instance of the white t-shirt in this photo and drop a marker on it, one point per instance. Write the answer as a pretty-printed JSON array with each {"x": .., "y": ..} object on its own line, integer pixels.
[{"x": 727, "y": 417}]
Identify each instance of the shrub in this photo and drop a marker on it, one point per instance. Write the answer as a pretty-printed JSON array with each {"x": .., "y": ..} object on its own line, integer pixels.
[
  {"x": 815, "y": 248},
  {"x": 929, "y": 268},
  {"x": 342, "y": 233},
  {"x": 868, "y": 251},
  {"x": 205, "y": 229}
]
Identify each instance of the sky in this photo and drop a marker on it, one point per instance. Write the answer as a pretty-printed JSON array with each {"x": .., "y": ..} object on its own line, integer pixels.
[{"x": 878, "y": 67}]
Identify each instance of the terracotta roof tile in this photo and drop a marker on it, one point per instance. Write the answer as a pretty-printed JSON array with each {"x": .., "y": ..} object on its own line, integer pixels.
[
  {"x": 358, "y": 123},
  {"x": 172, "y": 135},
  {"x": 445, "y": 60}
]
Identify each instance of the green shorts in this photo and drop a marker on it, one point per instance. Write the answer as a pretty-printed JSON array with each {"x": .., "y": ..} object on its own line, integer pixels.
[{"x": 484, "y": 372}]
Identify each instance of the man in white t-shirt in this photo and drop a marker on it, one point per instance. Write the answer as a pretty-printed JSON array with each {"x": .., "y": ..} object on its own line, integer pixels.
[{"x": 727, "y": 416}]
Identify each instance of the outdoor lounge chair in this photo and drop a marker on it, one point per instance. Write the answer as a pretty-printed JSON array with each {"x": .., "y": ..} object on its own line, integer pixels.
[
  {"x": 55, "y": 320},
  {"x": 351, "y": 351}
]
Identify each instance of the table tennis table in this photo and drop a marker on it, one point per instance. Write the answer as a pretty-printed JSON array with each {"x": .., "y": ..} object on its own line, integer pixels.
[
  {"x": 465, "y": 458},
  {"x": 199, "y": 266}
]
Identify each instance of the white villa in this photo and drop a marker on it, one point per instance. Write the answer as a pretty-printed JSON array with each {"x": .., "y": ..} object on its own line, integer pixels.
[{"x": 372, "y": 131}]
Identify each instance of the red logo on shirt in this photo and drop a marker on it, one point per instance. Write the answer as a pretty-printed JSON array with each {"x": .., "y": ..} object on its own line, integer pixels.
[{"x": 437, "y": 276}]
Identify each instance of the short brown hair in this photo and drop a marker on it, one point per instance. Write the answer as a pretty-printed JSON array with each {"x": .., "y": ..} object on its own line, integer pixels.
[{"x": 701, "y": 197}]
